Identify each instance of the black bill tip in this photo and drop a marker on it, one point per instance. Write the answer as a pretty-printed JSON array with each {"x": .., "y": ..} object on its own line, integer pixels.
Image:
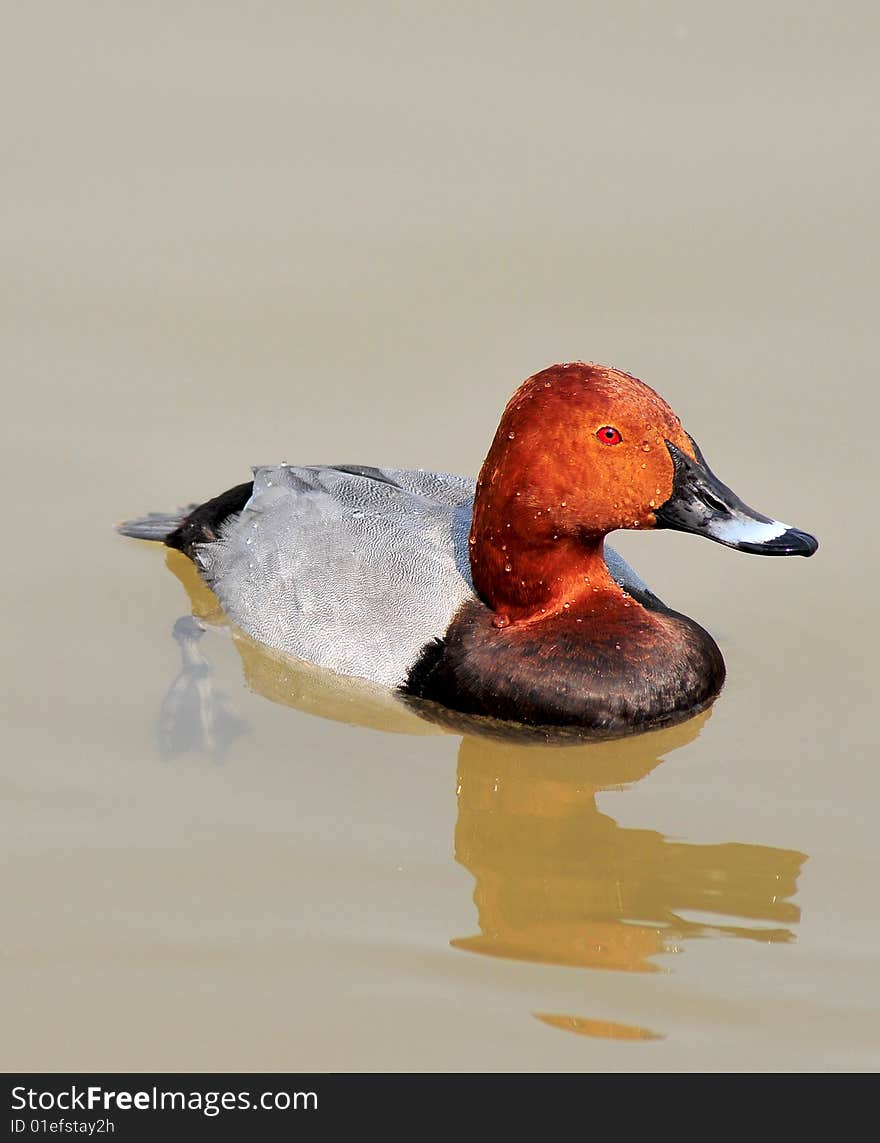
[{"x": 792, "y": 542}]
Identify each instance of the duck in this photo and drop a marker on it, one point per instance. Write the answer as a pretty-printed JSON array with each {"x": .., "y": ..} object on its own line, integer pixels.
[{"x": 496, "y": 598}]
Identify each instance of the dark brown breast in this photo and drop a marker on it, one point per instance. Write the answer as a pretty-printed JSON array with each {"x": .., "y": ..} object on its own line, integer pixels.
[{"x": 631, "y": 669}]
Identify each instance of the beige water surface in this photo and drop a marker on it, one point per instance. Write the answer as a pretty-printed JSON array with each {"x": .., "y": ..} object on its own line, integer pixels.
[{"x": 237, "y": 234}]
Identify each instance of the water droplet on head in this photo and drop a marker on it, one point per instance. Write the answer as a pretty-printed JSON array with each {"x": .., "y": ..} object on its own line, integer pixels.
[
  {"x": 646, "y": 447},
  {"x": 651, "y": 503},
  {"x": 507, "y": 567},
  {"x": 510, "y": 436}
]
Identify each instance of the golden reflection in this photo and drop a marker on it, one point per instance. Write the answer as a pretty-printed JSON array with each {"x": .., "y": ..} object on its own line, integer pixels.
[
  {"x": 560, "y": 882},
  {"x": 204, "y": 603},
  {"x": 601, "y": 1029}
]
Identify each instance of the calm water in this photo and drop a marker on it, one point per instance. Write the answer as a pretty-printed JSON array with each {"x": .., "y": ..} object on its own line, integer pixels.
[{"x": 345, "y": 234}]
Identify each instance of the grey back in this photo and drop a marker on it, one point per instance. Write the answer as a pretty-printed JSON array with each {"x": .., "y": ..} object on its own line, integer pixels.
[{"x": 352, "y": 568}]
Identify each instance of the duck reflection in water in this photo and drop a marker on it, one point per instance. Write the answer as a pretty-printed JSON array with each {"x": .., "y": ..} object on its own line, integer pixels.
[{"x": 557, "y": 880}]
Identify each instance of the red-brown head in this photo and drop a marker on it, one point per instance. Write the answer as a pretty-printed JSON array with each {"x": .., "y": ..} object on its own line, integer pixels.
[{"x": 582, "y": 450}]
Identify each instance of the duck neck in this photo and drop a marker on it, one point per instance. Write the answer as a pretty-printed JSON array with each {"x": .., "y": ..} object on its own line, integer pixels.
[{"x": 528, "y": 577}]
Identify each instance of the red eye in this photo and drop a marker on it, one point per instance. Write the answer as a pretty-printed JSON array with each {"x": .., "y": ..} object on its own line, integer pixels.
[{"x": 608, "y": 435}]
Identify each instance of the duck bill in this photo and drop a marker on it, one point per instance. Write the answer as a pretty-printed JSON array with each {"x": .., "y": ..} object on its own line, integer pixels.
[{"x": 701, "y": 504}]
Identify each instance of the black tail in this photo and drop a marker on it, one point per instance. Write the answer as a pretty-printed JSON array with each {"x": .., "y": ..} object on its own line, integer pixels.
[{"x": 190, "y": 526}]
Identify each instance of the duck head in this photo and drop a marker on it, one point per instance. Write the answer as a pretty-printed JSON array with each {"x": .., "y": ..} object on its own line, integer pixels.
[{"x": 582, "y": 450}]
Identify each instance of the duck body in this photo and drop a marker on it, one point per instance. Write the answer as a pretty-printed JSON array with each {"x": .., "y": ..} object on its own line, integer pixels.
[{"x": 495, "y": 598}]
